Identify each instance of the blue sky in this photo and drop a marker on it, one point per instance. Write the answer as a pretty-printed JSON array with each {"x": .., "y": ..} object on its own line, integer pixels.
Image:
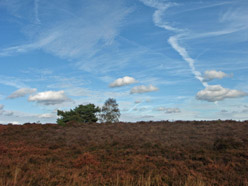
[{"x": 160, "y": 59}]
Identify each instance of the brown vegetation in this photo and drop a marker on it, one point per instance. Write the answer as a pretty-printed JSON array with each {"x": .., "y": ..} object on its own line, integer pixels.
[{"x": 145, "y": 153}]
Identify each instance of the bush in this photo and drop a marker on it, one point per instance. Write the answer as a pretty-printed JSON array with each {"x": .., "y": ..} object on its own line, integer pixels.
[{"x": 82, "y": 114}]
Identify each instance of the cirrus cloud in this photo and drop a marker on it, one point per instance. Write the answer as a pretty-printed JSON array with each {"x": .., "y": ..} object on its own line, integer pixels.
[
  {"x": 122, "y": 82},
  {"x": 142, "y": 89},
  {"x": 214, "y": 93},
  {"x": 66, "y": 31},
  {"x": 49, "y": 97}
]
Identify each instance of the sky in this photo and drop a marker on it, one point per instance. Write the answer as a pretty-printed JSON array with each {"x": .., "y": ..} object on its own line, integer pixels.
[{"x": 160, "y": 59}]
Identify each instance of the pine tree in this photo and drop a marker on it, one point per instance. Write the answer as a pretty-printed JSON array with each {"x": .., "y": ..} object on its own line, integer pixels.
[{"x": 82, "y": 113}]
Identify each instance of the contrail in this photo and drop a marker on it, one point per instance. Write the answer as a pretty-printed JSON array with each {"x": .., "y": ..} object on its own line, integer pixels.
[
  {"x": 36, "y": 11},
  {"x": 173, "y": 41},
  {"x": 133, "y": 107},
  {"x": 161, "y": 7}
]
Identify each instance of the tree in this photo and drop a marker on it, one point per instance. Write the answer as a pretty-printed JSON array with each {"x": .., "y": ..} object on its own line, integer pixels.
[
  {"x": 110, "y": 112},
  {"x": 82, "y": 113}
]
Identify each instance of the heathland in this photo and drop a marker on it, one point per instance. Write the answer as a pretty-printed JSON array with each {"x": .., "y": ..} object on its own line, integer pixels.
[{"x": 192, "y": 153}]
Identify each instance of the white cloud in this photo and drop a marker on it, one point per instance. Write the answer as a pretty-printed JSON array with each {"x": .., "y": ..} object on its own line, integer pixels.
[
  {"x": 160, "y": 109},
  {"x": 4, "y": 112},
  {"x": 49, "y": 97},
  {"x": 15, "y": 122},
  {"x": 25, "y": 117},
  {"x": 8, "y": 113},
  {"x": 214, "y": 93},
  {"x": 123, "y": 81},
  {"x": 172, "y": 110},
  {"x": 22, "y": 92},
  {"x": 143, "y": 89},
  {"x": 213, "y": 74},
  {"x": 168, "y": 110},
  {"x": 147, "y": 116},
  {"x": 141, "y": 109},
  {"x": 244, "y": 111},
  {"x": 47, "y": 115}
]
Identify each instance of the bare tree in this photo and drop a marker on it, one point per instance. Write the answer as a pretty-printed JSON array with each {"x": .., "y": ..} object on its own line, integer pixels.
[{"x": 110, "y": 112}]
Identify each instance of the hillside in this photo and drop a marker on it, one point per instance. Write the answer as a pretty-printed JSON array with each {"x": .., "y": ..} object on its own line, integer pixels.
[{"x": 143, "y": 153}]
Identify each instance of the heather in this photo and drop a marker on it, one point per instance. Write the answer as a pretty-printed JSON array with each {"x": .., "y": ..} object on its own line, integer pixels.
[{"x": 142, "y": 153}]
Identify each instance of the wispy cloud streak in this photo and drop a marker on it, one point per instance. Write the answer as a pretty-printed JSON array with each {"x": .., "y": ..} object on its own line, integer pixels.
[
  {"x": 231, "y": 22},
  {"x": 157, "y": 16},
  {"x": 173, "y": 40},
  {"x": 29, "y": 47},
  {"x": 182, "y": 51},
  {"x": 36, "y": 11},
  {"x": 92, "y": 28}
]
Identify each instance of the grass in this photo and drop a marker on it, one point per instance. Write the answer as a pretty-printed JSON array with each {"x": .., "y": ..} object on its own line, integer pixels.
[{"x": 144, "y": 153}]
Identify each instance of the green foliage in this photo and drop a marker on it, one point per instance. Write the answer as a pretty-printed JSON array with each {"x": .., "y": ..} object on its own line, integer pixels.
[
  {"x": 82, "y": 114},
  {"x": 110, "y": 112}
]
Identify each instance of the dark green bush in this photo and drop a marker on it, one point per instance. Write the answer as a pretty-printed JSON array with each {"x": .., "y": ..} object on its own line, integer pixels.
[{"x": 82, "y": 114}]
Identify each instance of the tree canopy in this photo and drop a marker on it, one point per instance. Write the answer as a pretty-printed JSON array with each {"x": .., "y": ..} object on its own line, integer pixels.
[
  {"x": 82, "y": 114},
  {"x": 110, "y": 112}
]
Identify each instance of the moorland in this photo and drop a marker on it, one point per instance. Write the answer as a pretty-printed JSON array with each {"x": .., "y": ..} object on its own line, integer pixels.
[{"x": 189, "y": 153}]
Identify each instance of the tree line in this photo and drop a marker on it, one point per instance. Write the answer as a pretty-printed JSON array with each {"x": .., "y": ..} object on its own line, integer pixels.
[{"x": 109, "y": 113}]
